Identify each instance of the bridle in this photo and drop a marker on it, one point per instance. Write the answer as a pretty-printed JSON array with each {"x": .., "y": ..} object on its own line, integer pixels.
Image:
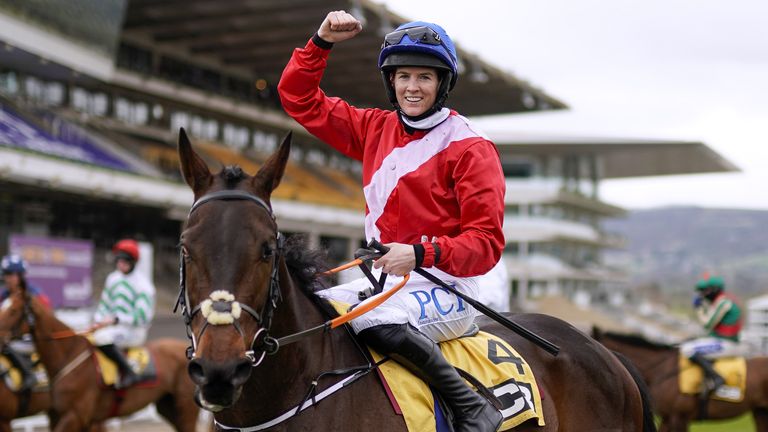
[{"x": 221, "y": 308}]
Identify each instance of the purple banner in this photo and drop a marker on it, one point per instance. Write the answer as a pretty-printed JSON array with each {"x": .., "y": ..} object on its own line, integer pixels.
[
  {"x": 60, "y": 267},
  {"x": 16, "y": 132}
]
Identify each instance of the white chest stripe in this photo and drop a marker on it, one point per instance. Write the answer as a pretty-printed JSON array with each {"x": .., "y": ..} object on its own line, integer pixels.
[{"x": 404, "y": 160}]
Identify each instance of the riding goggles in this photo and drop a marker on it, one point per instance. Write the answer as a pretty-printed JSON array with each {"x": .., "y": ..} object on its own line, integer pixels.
[{"x": 422, "y": 34}]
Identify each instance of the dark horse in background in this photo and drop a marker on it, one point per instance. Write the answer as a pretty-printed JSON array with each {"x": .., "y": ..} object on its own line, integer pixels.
[
  {"x": 659, "y": 365},
  {"x": 240, "y": 284}
]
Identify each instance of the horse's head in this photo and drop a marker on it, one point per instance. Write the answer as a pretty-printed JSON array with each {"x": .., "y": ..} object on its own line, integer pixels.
[{"x": 230, "y": 251}]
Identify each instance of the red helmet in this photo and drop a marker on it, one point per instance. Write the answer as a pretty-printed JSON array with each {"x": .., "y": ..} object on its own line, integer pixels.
[{"x": 128, "y": 248}]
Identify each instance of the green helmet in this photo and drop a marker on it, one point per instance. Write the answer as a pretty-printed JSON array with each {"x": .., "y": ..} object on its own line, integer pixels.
[
  {"x": 714, "y": 282},
  {"x": 702, "y": 284}
]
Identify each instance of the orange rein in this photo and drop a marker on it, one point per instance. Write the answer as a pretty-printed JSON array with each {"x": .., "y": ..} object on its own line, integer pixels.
[
  {"x": 362, "y": 308},
  {"x": 366, "y": 307},
  {"x": 62, "y": 334}
]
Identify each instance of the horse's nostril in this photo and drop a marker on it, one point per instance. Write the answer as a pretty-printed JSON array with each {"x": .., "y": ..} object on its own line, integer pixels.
[
  {"x": 242, "y": 372},
  {"x": 196, "y": 372}
]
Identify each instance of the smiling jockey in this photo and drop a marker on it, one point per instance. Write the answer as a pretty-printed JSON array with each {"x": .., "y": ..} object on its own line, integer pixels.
[
  {"x": 720, "y": 314},
  {"x": 434, "y": 192}
]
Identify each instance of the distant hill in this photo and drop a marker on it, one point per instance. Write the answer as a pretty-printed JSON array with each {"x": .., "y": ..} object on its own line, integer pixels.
[{"x": 669, "y": 248}]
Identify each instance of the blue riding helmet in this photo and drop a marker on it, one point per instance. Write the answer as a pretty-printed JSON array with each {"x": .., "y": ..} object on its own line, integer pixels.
[
  {"x": 13, "y": 264},
  {"x": 424, "y": 44}
]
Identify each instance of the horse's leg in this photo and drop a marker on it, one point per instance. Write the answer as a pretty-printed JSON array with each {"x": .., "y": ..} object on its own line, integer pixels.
[
  {"x": 166, "y": 407},
  {"x": 761, "y": 419},
  {"x": 69, "y": 422}
]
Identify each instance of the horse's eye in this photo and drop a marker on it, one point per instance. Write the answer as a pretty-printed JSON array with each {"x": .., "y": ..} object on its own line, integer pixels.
[{"x": 267, "y": 251}]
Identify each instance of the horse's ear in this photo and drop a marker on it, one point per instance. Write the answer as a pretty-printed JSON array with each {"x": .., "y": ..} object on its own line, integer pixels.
[
  {"x": 272, "y": 171},
  {"x": 193, "y": 167}
]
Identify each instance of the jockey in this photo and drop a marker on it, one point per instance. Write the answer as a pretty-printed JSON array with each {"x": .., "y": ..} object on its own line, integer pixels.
[
  {"x": 14, "y": 276},
  {"x": 129, "y": 297},
  {"x": 434, "y": 192},
  {"x": 721, "y": 316}
]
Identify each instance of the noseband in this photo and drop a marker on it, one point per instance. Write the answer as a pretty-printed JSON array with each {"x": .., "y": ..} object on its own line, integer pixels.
[{"x": 221, "y": 307}]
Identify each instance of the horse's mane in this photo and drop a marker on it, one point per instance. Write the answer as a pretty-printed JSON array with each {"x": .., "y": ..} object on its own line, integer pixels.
[
  {"x": 304, "y": 264},
  {"x": 638, "y": 341}
]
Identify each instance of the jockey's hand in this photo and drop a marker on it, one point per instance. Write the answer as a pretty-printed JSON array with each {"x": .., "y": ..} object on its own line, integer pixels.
[
  {"x": 399, "y": 261},
  {"x": 339, "y": 26}
]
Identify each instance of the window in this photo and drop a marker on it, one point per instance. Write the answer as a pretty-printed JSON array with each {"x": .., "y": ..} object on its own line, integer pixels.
[
  {"x": 264, "y": 142},
  {"x": 9, "y": 82},
  {"x": 131, "y": 112},
  {"x": 235, "y": 136}
]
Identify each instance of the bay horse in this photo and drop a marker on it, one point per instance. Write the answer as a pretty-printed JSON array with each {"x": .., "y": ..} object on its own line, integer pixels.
[
  {"x": 242, "y": 286},
  {"x": 659, "y": 365},
  {"x": 79, "y": 400}
]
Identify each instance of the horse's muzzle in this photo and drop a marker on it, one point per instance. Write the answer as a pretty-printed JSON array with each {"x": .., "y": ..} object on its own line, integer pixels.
[{"x": 219, "y": 385}]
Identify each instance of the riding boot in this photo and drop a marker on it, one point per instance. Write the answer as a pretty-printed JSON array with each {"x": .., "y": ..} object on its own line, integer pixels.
[
  {"x": 713, "y": 379},
  {"x": 422, "y": 356},
  {"x": 127, "y": 375},
  {"x": 27, "y": 375}
]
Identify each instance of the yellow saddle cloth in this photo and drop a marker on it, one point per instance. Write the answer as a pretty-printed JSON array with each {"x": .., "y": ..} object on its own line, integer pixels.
[
  {"x": 139, "y": 358},
  {"x": 12, "y": 376},
  {"x": 492, "y": 361},
  {"x": 732, "y": 369},
  {"x": 489, "y": 359}
]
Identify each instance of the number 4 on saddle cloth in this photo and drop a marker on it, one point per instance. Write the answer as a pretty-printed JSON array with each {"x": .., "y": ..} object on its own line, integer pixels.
[
  {"x": 732, "y": 369},
  {"x": 11, "y": 375},
  {"x": 140, "y": 360},
  {"x": 488, "y": 359}
]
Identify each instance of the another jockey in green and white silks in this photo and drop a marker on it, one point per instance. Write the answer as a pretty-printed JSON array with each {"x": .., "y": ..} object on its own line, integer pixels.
[
  {"x": 720, "y": 314},
  {"x": 129, "y": 297}
]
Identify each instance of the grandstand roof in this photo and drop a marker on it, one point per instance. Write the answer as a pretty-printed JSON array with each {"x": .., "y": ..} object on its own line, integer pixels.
[
  {"x": 622, "y": 157},
  {"x": 255, "y": 39}
]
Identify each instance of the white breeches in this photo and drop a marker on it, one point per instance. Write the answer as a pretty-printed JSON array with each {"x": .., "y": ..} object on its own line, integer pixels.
[
  {"x": 712, "y": 347},
  {"x": 123, "y": 336},
  {"x": 432, "y": 309}
]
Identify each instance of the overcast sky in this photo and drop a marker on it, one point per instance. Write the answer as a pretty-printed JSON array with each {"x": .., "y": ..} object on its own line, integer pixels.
[{"x": 688, "y": 69}]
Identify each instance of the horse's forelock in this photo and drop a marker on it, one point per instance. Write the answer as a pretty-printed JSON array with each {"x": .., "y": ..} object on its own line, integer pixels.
[{"x": 232, "y": 175}]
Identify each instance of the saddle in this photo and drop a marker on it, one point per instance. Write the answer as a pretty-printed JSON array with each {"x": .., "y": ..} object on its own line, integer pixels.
[
  {"x": 12, "y": 375},
  {"x": 732, "y": 369},
  {"x": 140, "y": 359}
]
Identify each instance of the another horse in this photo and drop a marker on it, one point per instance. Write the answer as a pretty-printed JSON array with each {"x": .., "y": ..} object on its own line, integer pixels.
[
  {"x": 241, "y": 287},
  {"x": 79, "y": 398},
  {"x": 659, "y": 365}
]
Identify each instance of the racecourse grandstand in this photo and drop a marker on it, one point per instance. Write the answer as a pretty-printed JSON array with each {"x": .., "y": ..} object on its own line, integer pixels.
[{"x": 93, "y": 93}]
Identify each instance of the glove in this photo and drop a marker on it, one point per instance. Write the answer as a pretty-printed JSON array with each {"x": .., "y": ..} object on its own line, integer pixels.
[{"x": 697, "y": 300}]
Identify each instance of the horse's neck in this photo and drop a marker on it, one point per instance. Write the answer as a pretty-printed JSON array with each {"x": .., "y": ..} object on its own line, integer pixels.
[
  {"x": 282, "y": 381},
  {"x": 55, "y": 352},
  {"x": 649, "y": 361}
]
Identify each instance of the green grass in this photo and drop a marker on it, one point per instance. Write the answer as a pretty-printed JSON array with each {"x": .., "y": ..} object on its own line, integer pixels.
[{"x": 740, "y": 424}]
